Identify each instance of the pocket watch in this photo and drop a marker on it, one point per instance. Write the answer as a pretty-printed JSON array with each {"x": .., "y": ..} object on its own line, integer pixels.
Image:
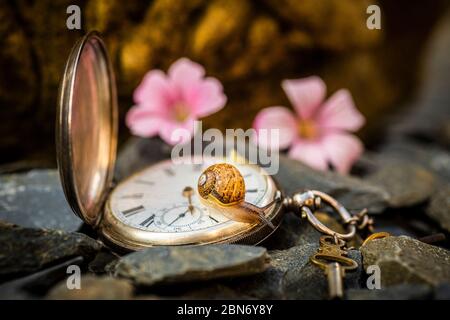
[{"x": 165, "y": 203}]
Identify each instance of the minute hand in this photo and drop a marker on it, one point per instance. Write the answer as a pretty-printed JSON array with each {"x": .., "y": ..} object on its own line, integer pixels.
[{"x": 181, "y": 215}]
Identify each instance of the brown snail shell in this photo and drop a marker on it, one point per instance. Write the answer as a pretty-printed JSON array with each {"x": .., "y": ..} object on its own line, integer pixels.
[
  {"x": 223, "y": 187},
  {"x": 222, "y": 182}
]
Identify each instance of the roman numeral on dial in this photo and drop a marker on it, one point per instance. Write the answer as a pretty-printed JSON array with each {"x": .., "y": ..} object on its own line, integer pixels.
[
  {"x": 169, "y": 172},
  {"x": 147, "y": 222},
  {"x": 148, "y": 183},
  {"x": 132, "y": 196},
  {"x": 130, "y": 212}
]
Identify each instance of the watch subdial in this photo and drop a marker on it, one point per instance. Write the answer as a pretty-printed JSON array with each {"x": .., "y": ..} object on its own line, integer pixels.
[{"x": 180, "y": 217}]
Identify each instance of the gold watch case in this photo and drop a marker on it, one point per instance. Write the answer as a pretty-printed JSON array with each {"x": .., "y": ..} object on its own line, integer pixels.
[
  {"x": 86, "y": 141},
  {"x": 119, "y": 233}
]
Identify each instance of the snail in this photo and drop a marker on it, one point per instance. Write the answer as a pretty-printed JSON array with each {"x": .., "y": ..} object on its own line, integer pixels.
[{"x": 222, "y": 187}]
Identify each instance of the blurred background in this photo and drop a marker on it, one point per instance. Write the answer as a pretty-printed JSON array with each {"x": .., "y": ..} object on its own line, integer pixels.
[{"x": 250, "y": 46}]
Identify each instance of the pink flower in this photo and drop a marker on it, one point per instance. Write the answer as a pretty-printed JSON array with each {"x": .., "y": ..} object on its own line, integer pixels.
[
  {"x": 319, "y": 133},
  {"x": 165, "y": 103}
]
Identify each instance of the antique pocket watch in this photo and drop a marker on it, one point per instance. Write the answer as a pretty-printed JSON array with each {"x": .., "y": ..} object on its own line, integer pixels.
[{"x": 161, "y": 204}]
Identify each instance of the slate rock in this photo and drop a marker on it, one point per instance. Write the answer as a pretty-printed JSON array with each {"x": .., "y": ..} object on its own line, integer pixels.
[
  {"x": 442, "y": 292},
  {"x": 311, "y": 282},
  {"x": 395, "y": 224},
  {"x": 26, "y": 250},
  {"x": 397, "y": 292},
  {"x": 352, "y": 192},
  {"x": 36, "y": 200},
  {"x": 432, "y": 158},
  {"x": 293, "y": 231},
  {"x": 37, "y": 284},
  {"x": 297, "y": 231},
  {"x": 101, "y": 260},
  {"x": 93, "y": 288},
  {"x": 190, "y": 263},
  {"x": 271, "y": 283},
  {"x": 406, "y": 260},
  {"x": 291, "y": 275},
  {"x": 407, "y": 184},
  {"x": 439, "y": 208}
]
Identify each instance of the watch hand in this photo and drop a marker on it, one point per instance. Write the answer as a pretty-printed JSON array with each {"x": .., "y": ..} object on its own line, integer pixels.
[
  {"x": 181, "y": 215},
  {"x": 188, "y": 192},
  {"x": 213, "y": 219}
]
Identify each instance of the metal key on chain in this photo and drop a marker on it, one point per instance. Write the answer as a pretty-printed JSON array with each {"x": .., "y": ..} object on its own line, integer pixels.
[
  {"x": 332, "y": 255},
  {"x": 332, "y": 258}
]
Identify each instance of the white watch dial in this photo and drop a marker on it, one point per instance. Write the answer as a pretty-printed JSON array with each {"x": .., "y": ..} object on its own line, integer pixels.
[{"x": 153, "y": 199}]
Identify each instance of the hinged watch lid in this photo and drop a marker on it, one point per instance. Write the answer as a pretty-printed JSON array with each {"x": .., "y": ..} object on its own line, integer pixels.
[{"x": 86, "y": 137}]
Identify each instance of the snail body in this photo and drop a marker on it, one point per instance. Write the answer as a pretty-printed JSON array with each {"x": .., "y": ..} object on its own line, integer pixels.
[{"x": 222, "y": 187}]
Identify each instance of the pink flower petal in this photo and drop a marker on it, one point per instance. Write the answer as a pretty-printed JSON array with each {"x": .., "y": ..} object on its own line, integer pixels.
[
  {"x": 154, "y": 92},
  {"x": 185, "y": 74},
  {"x": 306, "y": 95},
  {"x": 342, "y": 150},
  {"x": 173, "y": 132},
  {"x": 275, "y": 118},
  {"x": 167, "y": 103},
  {"x": 339, "y": 112},
  {"x": 205, "y": 97},
  {"x": 143, "y": 122},
  {"x": 311, "y": 153},
  {"x": 185, "y": 70}
]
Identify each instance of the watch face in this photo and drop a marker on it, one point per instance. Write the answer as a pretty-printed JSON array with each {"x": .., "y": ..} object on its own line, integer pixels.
[{"x": 160, "y": 206}]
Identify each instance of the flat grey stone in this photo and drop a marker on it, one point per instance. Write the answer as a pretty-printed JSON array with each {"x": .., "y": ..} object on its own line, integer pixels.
[
  {"x": 406, "y": 260},
  {"x": 101, "y": 260},
  {"x": 442, "y": 292},
  {"x": 291, "y": 275},
  {"x": 190, "y": 263},
  {"x": 439, "y": 208},
  {"x": 407, "y": 184},
  {"x": 271, "y": 283},
  {"x": 311, "y": 282},
  {"x": 36, "y": 200},
  {"x": 93, "y": 288},
  {"x": 35, "y": 285},
  {"x": 26, "y": 250},
  {"x": 293, "y": 231},
  {"x": 297, "y": 231},
  {"x": 432, "y": 158},
  {"x": 396, "y": 225}
]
